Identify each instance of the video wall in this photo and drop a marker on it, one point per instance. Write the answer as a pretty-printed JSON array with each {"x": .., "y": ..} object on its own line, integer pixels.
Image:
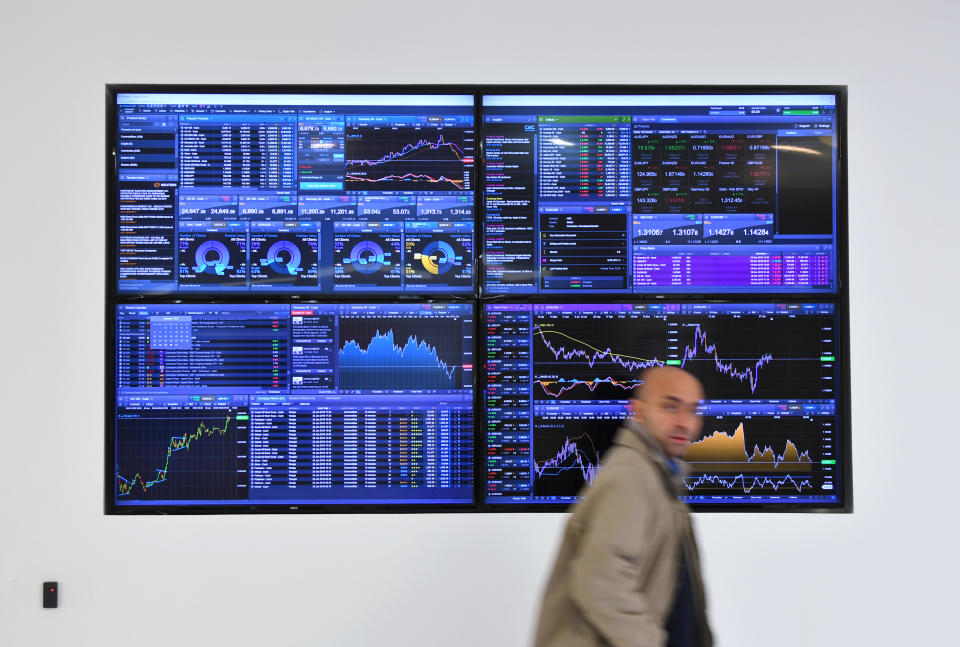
[{"x": 401, "y": 299}]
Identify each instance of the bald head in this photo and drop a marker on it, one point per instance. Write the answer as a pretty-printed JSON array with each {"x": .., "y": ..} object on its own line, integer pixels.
[{"x": 667, "y": 402}]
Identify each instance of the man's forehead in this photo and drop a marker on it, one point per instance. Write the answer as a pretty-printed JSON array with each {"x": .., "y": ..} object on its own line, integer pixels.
[
  {"x": 668, "y": 380},
  {"x": 681, "y": 386},
  {"x": 681, "y": 399}
]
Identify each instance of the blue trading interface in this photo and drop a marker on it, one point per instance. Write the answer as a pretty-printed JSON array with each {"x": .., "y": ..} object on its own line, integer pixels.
[
  {"x": 331, "y": 194},
  {"x": 660, "y": 194},
  {"x": 294, "y": 404},
  {"x": 559, "y": 376}
]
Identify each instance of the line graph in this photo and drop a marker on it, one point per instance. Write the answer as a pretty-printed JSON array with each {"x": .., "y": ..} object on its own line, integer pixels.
[
  {"x": 415, "y": 364},
  {"x": 406, "y": 178},
  {"x": 183, "y": 452},
  {"x": 723, "y": 484},
  {"x": 386, "y": 353},
  {"x": 570, "y": 364},
  {"x": 410, "y": 149},
  {"x": 404, "y": 158},
  {"x": 760, "y": 357},
  {"x": 591, "y": 354},
  {"x": 749, "y": 374},
  {"x": 586, "y": 461},
  {"x": 177, "y": 443},
  {"x": 556, "y": 388},
  {"x": 724, "y": 452},
  {"x": 769, "y": 453},
  {"x": 568, "y": 448},
  {"x": 559, "y": 376}
]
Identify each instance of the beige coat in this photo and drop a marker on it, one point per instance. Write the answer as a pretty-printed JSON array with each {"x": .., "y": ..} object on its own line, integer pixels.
[{"x": 615, "y": 575}]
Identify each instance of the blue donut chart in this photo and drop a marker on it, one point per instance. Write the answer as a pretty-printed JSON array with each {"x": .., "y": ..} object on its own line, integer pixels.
[
  {"x": 275, "y": 258},
  {"x": 211, "y": 257},
  {"x": 438, "y": 257},
  {"x": 368, "y": 257}
]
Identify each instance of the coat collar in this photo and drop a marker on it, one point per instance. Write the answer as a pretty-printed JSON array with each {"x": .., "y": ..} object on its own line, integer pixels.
[{"x": 633, "y": 434}]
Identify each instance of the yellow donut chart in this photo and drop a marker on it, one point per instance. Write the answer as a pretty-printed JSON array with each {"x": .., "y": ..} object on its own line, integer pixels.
[
  {"x": 429, "y": 262},
  {"x": 438, "y": 257}
]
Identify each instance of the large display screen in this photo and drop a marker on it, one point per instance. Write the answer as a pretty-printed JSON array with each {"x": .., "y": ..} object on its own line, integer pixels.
[
  {"x": 299, "y": 280},
  {"x": 660, "y": 194},
  {"x": 559, "y": 376},
  {"x": 276, "y": 404},
  {"x": 306, "y": 194}
]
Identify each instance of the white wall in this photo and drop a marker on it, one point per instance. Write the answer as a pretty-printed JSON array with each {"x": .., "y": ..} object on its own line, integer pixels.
[{"x": 882, "y": 576}]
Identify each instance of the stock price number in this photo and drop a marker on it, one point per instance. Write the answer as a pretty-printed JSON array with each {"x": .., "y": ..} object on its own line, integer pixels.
[{"x": 725, "y": 231}]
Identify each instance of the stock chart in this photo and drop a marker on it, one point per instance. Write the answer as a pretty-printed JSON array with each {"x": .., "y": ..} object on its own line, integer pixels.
[
  {"x": 406, "y": 158},
  {"x": 560, "y": 377},
  {"x": 281, "y": 404}
]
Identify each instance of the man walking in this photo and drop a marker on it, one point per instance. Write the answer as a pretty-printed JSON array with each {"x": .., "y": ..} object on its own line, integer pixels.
[{"x": 628, "y": 573}]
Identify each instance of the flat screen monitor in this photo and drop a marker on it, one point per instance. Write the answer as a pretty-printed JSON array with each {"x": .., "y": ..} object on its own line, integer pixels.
[
  {"x": 278, "y": 405},
  {"x": 662, "y": 193},
  {"x": 268, "y": 193},
  {"x": 558, "y": 378}
]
